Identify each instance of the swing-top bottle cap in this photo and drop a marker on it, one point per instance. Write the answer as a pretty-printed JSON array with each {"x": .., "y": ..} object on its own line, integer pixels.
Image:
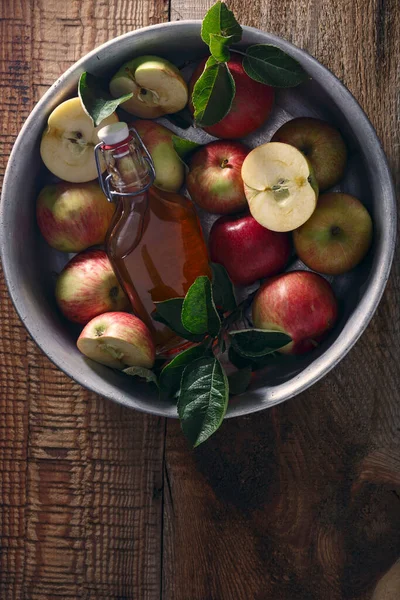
[{"x": 113, "y": 134}]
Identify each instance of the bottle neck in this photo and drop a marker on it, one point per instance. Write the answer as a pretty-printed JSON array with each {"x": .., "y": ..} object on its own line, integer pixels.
[{"x": 129, "y": 167}]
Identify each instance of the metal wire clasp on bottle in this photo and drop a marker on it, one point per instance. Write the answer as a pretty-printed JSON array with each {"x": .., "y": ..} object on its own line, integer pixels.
[{"x": 106, "y": 182}]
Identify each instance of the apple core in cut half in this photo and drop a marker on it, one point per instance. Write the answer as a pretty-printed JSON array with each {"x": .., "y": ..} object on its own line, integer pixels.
[
  {"x": 67, "y": 146},
  {"x": 280, "y": 186},
  {"x": 157, "y": 86}
]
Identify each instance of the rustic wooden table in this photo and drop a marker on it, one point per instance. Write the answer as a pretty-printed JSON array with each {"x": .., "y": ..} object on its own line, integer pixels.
[{"x": 298, "y": 502}]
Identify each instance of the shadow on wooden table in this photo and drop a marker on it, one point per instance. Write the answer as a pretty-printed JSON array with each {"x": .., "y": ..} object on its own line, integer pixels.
[{"x": 299, "y": 501}]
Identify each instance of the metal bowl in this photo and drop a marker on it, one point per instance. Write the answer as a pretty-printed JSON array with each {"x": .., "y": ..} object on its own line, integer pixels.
[{"x": 29, "y": 264}]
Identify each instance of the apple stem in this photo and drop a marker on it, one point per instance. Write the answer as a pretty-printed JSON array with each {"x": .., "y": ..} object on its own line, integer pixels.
[{"x": 224, "y": 163}]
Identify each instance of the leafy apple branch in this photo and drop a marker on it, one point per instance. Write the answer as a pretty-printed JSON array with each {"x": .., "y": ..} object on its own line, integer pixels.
[
  {"x": 196, "y": 377},
  {"x": 214, "y": 91}
]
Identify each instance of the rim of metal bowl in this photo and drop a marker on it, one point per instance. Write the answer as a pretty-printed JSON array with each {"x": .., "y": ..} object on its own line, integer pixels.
[{"x": 376, "y": 285}]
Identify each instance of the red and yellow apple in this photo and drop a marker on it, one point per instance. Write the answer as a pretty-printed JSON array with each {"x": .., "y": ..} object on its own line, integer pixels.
[
  {"x": 299, "y": 303},
  {"x": 73, "y": 216},
  {"x": 214, "y": 181},
  {"x": 118, "y": 340},
  {"x": 247, "y": 250},
  {"x": 87, "y": 287},
  {"x": 321, "y": 143},
  {"x": 170, "y": 170},
  {"x": 251, "y": 105},
  {"x": 337, "y": 236}
]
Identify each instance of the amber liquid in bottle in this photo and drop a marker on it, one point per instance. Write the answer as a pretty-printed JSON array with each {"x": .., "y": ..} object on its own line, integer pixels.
[{"x": 156, "y": 246}]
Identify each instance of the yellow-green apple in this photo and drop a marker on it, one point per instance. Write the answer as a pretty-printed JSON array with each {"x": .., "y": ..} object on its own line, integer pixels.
[
  {"x": 118, "y": 340},
  {"x": 73, "y": 216},
  {"x": 157, "y": 86},
  {"x": 337, "y": 236},
  {"x": 214, "y": 180},
  {"x": 321, "y": 143},
  {"x": 247, "y": 250},
  {"x": 280, "y": 186},
  {"x": 170, "y": 170},
  {"x": 299, "y": 303},
  {"x": 87, "y": 287},
  {"x": 68, "y": 142},
  {"x": 251, "y": 105}
]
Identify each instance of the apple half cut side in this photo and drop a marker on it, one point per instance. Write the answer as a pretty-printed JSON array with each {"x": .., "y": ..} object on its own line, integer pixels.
[
  {"x": 67, "y": 146},
  {"x": 280, "y": 186},
  {"x": 157, "y": 86},
  {"x": 118, "y": 340}
]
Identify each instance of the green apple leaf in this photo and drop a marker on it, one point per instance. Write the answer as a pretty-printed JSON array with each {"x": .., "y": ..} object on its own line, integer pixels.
[
  {"x": 256, "y": 343},
  {"x": 203, "y": 399},
  {"x": 183, "y": 147},
  {"x": 96, "y": 100},
  {"x": 199, "y": 315},
  {"x": 213, "y": 93},
  {"x": 170, "y": 376},
  {"x": 143, "y": 373},
  {"x": 224, "y": 296},
  {"x": 255, "y": 364},
  {"x": 169, "y": 313},
  {"x": 239, "y": 381},
  {"x": 220, "y": 20},
  {"x": 219, "y": 46},
  {"x": 272, "y": 66}
]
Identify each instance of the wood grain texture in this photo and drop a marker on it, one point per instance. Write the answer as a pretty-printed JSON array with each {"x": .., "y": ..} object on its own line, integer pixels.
[
  {"x": 303, "y": 501},
  {"x": 80, "y": 478}
]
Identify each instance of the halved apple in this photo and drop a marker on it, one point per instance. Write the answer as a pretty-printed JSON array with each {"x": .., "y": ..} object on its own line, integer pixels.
[
  {"x": 67, "y": 146},
  {"x": 280, "y": 186},
  {"x": 158, "y": 87},
  {"x": 119, "y": 340}
]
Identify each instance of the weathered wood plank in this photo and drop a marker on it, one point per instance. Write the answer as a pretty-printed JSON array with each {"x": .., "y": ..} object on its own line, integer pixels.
[
  {"x": 302, "y": 501},
  {"x": 81, "y": 478}
]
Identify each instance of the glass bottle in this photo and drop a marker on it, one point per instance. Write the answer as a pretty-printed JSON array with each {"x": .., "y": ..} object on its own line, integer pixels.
[{"x": 155, "y": 242}]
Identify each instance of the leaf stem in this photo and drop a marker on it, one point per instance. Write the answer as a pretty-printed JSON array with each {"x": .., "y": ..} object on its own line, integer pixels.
[{"x": 237, "y": 51}]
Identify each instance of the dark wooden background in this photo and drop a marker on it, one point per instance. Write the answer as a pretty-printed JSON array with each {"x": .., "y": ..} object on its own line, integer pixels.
[{"x": 301, "y": 502}]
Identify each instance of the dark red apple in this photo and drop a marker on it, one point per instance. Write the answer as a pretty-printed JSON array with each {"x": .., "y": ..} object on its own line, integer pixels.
[
  {"x": 251, "y": 105},
  {"x": 301, "y": 304},
  {"x": 247, "y": 250},
  {"x": 214, "y": 180}
]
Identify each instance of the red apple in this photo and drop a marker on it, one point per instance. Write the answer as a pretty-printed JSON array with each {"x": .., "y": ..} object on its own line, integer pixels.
[
  {"x": 251, "y": 105},
  {"x": 88, "y": 287},
  {"x": 247, "y": 250},
  {"x": 301, "y": 304},
  {"x": 73, "y": 216},
  {"x": 119, "y": 340},
  {"x": 337, "y": 236},
  {"x": 214, "y": 180},
  {"x": 321, "y": 143}
]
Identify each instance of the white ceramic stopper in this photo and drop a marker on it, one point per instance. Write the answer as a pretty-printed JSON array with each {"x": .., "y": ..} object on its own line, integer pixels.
[{"x": 114, "y": 133}]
